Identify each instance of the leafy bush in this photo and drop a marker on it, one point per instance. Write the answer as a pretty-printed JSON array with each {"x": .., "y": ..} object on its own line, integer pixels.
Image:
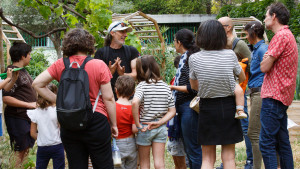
[{"x": 38, "y": 63}]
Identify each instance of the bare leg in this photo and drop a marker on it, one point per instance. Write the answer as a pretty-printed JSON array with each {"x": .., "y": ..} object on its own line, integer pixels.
[
  {"x": 208, "y": 156},
  {"x": 144, "y": 156},
  {"x": 227, "y": 155},
  {"x": 158, "y": 151},
  {"x": 179, "y": 162},
  {"x": 239, "y": 95}
]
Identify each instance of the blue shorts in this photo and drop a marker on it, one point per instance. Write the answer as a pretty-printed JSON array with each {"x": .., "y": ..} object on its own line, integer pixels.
[
  {"x": 1, "y": 133},
  {"x": 158, "y": 135},
  {"x": 175, "y": 147}
]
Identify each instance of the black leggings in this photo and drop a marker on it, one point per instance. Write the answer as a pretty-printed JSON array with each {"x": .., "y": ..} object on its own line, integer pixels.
[{"x": 95, "y": 142}]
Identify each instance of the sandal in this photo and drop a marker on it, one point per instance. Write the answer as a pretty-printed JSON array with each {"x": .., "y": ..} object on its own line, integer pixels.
[{"x": 240, "y": 114}]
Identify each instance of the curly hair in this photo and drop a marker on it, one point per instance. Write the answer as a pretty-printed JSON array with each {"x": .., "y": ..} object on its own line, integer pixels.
[
  {"x": 43, "y": 103},
  {"x": 255, "y": 29},
  {"x": 78, "y": 40}
]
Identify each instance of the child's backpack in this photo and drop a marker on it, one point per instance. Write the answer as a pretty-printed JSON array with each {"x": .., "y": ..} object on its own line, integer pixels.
[{"x": 73, "y": 105}]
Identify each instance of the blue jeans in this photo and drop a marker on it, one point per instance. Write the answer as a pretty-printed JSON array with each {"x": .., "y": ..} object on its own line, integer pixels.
[
  {"x": 189, "y": 127},
  {"x": 274, "y": 135},
  {"x": 55, "y": 152},
  {"x": 244, "y": 124}
]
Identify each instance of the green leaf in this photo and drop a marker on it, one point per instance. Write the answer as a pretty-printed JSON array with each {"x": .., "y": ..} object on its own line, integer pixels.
[
  {"x": 59, "y": 10},
  {"x": 45, "y": 11},
  {"x": 54, "y": 1}
]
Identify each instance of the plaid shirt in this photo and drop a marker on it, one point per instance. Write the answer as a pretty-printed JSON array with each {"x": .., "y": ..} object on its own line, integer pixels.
[{"x": 280, "y": 82}]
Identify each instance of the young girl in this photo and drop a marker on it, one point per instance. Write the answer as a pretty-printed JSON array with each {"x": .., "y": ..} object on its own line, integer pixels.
[
  {"x": 45, "y": 128},
  {"x": 153, "y": 99}
]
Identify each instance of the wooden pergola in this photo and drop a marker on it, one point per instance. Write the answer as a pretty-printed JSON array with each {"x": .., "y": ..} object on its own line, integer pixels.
[
  {"x": 239, "y": 25},
  {"x": 139, "y": 21}
]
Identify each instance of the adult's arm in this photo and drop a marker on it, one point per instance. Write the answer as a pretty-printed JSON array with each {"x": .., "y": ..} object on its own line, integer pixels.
[
  {"x": 133, "y": 69},
  {"x": 194, "y": 84},
  {"x": 267, "y": 63},
  {"x": 243, "y": 51},
  {"x": 109, "y": 102},
  {"x": 40, "y": 85},
  {"x": 11, "y": 101},
  {"x": 179, "y": 88}
]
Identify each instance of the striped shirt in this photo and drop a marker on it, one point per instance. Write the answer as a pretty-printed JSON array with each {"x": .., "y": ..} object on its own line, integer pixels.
[
  {"x": 155, "y": 99},
  {"x": 214, "y": 71}
]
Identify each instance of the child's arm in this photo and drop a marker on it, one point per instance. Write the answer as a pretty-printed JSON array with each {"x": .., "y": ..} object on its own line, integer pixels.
[
  {"x": 170, "y": 114},
  {"x": 7, "y": 80},
  {"x": 33, "y": 130},
  {"x": 11, "y": 101},
  {"x": 134, "y": 129},
  {"x": 135, "y": 112}
]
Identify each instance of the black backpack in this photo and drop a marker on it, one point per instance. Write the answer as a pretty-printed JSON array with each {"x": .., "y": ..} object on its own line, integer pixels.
[{"x": 73, "y": 105}]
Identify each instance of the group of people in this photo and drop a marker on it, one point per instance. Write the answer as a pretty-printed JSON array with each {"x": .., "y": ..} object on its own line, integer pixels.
[{"x": 141, "y": 117}]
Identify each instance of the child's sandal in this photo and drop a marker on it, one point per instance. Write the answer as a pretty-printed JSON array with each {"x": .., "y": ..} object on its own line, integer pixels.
[{"x": 240, "y": 114}]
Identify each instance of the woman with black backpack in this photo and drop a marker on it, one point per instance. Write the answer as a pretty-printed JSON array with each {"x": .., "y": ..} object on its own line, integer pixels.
[{"x": 84, "y": 132}]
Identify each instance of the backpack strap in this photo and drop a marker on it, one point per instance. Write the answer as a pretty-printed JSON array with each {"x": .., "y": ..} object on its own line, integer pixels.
[
  {"x": 236, "y": 40},
  {"x": 127, "y": 51},
  {"x": 88, "y": 58},
  {"x": 95, "y": 105},
  {"x": 106, "y": 52},
  {"x": 66, "y": 62}
]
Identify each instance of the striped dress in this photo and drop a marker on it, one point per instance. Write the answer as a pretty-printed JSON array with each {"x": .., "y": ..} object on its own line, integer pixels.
[{"x": 155, "y": 99}]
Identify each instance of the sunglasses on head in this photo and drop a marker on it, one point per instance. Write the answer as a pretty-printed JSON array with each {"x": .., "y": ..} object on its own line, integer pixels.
[{"x": 120, "y": 23}]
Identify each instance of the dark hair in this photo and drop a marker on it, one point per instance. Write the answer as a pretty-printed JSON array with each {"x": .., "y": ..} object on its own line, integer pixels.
[
  {"x": 187, "y": 39},
  {"x": 211, "y": 35},
  {"x": 78, "y": 40},
  {"x": 281, "y": 12},
  {"x": 176, "y": 61},
  {"x": 147, "y": 68},
  {"x": 43, "y": 103},
  {"x": 255, "y": 29},
  {"x": 18, "y": 50},
  {"x": 107, "y": 40},
  {"x": 125, "y": 86}
]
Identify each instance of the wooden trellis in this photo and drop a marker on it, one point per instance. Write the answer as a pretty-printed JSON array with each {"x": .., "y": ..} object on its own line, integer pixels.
[
  {"x": 139, "y": 21},
  {"x": 239, "y": 25},
  {"x": 9, "y": 34}
]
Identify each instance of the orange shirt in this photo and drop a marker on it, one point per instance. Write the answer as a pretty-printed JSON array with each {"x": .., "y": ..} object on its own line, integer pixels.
[{"x": 124, "y": 120}]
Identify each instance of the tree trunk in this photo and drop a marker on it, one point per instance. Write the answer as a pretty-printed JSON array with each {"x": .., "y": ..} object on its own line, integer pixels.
[
  {"x": 55, "y": 38},
  {"x": 208, "y": 7}
]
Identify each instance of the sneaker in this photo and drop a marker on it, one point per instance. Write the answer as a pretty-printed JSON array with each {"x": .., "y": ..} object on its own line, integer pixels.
[
  {"x": 240, "y": 114},
  {"x": 220, "y": 167},
  {"x": 248, "y": 165}
]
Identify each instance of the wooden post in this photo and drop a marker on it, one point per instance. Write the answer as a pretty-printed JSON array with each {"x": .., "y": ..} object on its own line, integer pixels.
[{"x": 1, "y": 49}]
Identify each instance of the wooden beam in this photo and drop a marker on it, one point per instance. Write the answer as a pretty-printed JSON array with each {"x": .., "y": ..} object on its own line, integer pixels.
[
  {"x": 147, "y": 37},
  {"x": 144, "y": 25},
  {"x": 146, "y": 31}
]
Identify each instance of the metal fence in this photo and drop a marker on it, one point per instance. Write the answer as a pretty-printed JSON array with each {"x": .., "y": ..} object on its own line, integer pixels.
[{"x": 174, "y": 27}]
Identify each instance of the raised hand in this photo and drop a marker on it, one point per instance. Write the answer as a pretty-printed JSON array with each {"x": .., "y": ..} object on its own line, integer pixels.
[{"x": 120, "y": 69}]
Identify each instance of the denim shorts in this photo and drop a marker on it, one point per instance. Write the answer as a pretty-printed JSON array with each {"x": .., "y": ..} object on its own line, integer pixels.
[
  {"x": 158, "y": 135},
  {"x": 175, "y": 147}
]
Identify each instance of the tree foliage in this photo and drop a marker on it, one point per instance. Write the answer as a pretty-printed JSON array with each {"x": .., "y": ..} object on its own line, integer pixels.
[
  {"x": 258, "y": 10},
  {"x": 93, "y": 15}
]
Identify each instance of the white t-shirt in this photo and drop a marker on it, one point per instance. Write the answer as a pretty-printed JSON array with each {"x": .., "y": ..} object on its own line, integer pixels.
[{"x": 47, "y": 125}]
